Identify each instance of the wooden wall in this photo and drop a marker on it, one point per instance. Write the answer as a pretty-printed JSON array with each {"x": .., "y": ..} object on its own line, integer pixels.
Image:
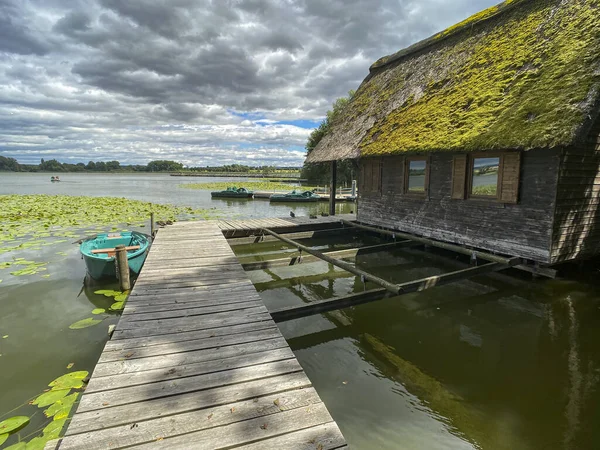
[
  {"x": 577, "y": 218},
  {"x": 523, "y": 229}
]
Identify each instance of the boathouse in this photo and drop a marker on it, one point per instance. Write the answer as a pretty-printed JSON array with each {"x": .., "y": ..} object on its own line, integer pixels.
[{"x": 486, "y": 134}]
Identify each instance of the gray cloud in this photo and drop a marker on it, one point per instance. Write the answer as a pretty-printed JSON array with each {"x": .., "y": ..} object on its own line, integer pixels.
[
  {"x": 15, "y": 34},
  {"x": 141, "y": 79}
]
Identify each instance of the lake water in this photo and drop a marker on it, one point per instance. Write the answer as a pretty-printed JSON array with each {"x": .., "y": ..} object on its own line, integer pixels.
[
  {"x": 496, "y": 362},
  {"x": 157, "y": 188}
]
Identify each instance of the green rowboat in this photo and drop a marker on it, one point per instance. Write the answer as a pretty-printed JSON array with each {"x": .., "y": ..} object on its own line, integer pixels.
[
  {"x": 233, "y": 192},
  {"x": 99, "y": 252},
  {"x": 295, "y": 196}
]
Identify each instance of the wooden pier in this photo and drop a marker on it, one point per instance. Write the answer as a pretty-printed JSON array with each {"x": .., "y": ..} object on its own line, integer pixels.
[
  {"x": 196, "y": 361},
  {"x": 251, "y": 227}
]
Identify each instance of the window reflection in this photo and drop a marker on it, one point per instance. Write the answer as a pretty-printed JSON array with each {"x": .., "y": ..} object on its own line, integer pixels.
[
  {"x": 416, "y": 175},
  {"x": 485, "y": 177}
]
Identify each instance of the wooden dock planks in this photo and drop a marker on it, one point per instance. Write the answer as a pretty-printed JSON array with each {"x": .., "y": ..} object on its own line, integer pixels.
[
  {"x": 196, "y": 362},
  {"x": 251, "y": 227}
]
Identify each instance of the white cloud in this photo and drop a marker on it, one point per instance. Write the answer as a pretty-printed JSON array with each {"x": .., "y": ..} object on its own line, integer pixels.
[{"x": 147, "y": 79}]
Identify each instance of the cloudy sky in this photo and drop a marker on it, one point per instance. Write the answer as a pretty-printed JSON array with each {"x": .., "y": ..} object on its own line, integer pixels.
[{"x": 203, "y": 82}]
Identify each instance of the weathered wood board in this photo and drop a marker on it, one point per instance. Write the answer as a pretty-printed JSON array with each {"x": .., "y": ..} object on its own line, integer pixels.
[{"x": 196, "y": 362}]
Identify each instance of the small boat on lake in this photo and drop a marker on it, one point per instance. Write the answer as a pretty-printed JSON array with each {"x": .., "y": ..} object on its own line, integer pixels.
[
  {"x": 99, "y": 252},
  {"x": 232, "y": 192},
  {"x": 53, "y": 179},
  {"x": 295, "y": 196}
]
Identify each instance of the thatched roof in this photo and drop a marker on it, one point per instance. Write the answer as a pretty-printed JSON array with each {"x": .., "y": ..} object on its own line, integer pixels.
[{"x": 524, "y": 74}]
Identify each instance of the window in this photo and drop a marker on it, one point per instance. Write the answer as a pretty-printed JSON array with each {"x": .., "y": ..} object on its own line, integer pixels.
[
  {"x": 484, "y": 177},
  {"x": 487, "y": 176},
  {"x": 417, "y": 176}
]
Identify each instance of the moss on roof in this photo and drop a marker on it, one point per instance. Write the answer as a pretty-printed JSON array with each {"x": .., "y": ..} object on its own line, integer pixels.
[{"x": 528, "y": 77}]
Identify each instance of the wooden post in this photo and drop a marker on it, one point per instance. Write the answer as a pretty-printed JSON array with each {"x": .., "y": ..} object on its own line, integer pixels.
[
  {"x": 353, "y": 189},
  {"x": 152, "y": 225},
  {"x": 332, "y": 188},
  {"x": 122, "y": 267}
]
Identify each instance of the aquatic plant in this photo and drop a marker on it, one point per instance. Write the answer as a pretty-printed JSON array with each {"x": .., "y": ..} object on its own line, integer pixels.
[
  {"x": 30, "y": 222},
  {"x": 260, "y": 185},
  {"x": 84, "y": 323},
  {"x": 58, "y": 401}
]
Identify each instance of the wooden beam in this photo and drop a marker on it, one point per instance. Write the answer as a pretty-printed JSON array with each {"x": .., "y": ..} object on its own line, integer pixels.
[
  {"x": 301, "y": 235},
  {"x": 318, "y": 307},
  {"x": 114, "y": 249},
  {"x": 433, "y": 243},
  {"x": 336, "y": 262},
  {"x": 295, "y": 228},
  {"x": 346, "y": 253},
  {"x": 332, "y": 188}
]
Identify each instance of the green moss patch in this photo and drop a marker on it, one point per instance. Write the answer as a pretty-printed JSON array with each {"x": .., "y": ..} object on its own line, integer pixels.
[{"x": 524, "y": 78}]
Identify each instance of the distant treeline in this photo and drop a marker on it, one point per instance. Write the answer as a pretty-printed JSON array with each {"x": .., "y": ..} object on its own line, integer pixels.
[
  {"x": 52, "y": 165},
  {"x": 240, "y": 168}
]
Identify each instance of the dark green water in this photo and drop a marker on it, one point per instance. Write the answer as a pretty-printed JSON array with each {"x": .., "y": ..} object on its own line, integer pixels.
[{"x": 495, "y": 362}]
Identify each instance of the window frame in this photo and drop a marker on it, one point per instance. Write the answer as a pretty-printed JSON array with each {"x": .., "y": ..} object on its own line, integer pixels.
[
  {"x": 405, "y": 190},
  {"x": 470, "y": 166}
]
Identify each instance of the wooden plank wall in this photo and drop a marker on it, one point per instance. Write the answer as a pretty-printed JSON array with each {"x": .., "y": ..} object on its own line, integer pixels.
[
  {"x": 522, "y": 229},
  {"x": 577, "y": 218}
]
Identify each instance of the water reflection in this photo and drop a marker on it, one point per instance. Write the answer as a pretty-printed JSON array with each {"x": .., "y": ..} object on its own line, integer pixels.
[{"x": 495, "y": 362}]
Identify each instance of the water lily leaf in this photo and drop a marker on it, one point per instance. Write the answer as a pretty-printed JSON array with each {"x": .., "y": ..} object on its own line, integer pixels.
[
  {"x": 84, "y": 323},
  {"x": 50, "y": 397},
  {"x": 117, "y": 306},
  {"x": 64, "y": 412},
  {"x": 62, "y": 407},
  {"x": 3, "y": 438},
  {"x": 53, "y": 429},
  {"x": 13, "y": 423},
  {"x": 120, "y": 297},
  {"x": 107, "y": 292},
  {"x": 37, "y": 443},
  {"x": 5, "y": 336},
  {"x": 70, "y": 365},
  {"x": 97, "y": 311},
  {"x": 17, "y": 446},
  {"x": 70, "y": 380}
]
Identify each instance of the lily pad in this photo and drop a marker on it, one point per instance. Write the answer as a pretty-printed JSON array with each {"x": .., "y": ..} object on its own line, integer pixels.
[
  {"x": 84, "y": 323},
  {"x": 107, "y": 292},
  {"x": 61, "y": 409},
  {"x": 71, "y": 380},
  {"x": 53, "y": 429},
  {"x": 50, "y": 397},
  {"x": 13, "y": 423},
  {"x": 98, "y": 311},
  {"x": 121, "y": 297},
  {"x": 37, "y": 443},
  {"x": 117, "y": 306},
  {"x": 17, "y": 446},
  {"x": 3, "y": 438}
]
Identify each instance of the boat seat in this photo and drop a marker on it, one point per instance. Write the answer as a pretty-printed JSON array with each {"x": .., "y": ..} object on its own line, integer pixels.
[{"x": 113, "y": 251}]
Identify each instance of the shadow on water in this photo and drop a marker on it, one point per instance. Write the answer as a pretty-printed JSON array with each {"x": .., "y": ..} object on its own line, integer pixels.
[{"x": 496, "y": 362}]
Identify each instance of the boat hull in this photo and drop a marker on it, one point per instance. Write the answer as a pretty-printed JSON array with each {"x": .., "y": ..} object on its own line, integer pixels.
[
  {"x": 231, "y": 195},
  {"x": 284, "y": 199},
  {"x": 102, "y": 266},
  {"x": 101, "y": 270}
]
